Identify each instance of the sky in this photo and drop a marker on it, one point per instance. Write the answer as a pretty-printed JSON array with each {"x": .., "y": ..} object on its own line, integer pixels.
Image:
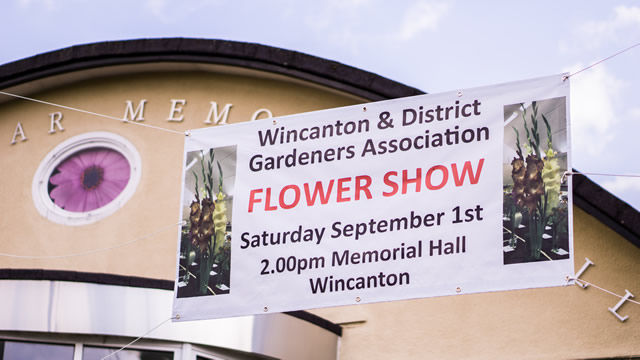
[{"x": 433, "y": 45}]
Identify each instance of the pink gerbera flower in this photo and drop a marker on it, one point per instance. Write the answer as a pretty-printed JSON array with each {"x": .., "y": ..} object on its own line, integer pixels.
[{"x": 89, "y": 179}]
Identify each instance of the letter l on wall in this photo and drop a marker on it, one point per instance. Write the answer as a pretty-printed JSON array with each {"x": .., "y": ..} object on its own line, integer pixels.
[{"x": 614, "y": 310}]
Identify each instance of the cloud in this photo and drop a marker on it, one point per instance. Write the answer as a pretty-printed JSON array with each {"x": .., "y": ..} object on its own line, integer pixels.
[
  {"x": 157, "y": 7},
  {"x": 348, "y": 25},
  {"x": 40, "y": 4},
  {"x": 348, "y": 4},
  {"x": 423, "y": 15},
  {"x": 626, "y": 188},
  {"x": 168, "y": 12},
  {"x": 593, "y": 109},
  {"x": 622, "y": 184},
  {"x": 331, "y": 14},
  {"x": 624, "y": 19}
]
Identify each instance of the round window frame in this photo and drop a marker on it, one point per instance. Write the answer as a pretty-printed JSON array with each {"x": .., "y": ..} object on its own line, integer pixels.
[{"x": 40, "y": 186}]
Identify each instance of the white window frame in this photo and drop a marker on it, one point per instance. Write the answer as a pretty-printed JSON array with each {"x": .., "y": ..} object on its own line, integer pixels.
[{"x": 180, "y": 350}]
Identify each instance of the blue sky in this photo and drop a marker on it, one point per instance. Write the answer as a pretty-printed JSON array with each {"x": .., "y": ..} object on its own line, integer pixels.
[{"x": 434, "y": 45}]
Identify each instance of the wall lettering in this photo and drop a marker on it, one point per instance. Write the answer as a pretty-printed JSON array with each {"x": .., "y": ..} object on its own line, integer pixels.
[
  {"x": 220, "y": 118},
  {"x": 582, "y": 270},
  {"x": 614, "y": 310},
  {"x": 131, "y": 115},
  {"x": 176, "y": 110},
  {"x": 19, "y": 131},
  {"x": 255, "y": 115},
  {"x": 55, "y": 122}
]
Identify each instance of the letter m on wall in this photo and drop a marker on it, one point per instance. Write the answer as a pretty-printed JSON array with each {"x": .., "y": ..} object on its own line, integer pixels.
[{"x": 134, "y": 115}]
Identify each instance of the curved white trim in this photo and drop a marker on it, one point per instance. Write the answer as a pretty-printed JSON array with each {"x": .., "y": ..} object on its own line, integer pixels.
[
  {"x": 39, "y": 187},
  {"x": 77, "y": 308}
]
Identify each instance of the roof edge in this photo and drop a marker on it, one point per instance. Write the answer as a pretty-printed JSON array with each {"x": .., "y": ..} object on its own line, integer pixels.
[
  {"x": 606, "y": 207},
  {"x": 251, "y": 55}
]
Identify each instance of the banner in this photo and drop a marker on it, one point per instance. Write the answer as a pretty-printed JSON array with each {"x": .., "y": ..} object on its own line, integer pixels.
[{"x": 441, "y": 194}]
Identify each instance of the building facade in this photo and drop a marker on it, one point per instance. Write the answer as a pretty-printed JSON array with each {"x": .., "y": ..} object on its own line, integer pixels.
[{"x": 77, "y": 284}]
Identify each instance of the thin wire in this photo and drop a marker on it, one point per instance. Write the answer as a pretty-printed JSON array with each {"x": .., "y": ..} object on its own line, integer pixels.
[
  {"x": 91, "y": 113},
  {"x": 569, "y": 173},
  {"x": 601, "y": 174},
  {"x": 139, "y": 337},
  {"x": 91, "y": 251},
  {"x": 603, "y": 60},
  {"x": 601, "y": 289}
]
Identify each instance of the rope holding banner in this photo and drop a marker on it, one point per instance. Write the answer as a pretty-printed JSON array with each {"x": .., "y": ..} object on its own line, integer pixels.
[
  {"x": 565, "y": 77},
  {"x": 140, "y": 337},
  {"x": 90, "y": 113},
  {"x": 586, "y": 283},
  {"x": 570, "y": 173}
]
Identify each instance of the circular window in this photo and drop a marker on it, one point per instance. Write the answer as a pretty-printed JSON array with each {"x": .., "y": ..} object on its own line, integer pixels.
[{"x": 86, "y": 178}]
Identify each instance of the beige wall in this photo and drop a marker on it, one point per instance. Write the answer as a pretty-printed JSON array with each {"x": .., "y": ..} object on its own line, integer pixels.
[{"x": 155, "y": 204}]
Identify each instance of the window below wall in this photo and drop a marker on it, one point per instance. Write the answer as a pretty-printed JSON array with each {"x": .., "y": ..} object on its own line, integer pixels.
[
  {"x": 19, "y": 350},
  {"x": 38, "y": 346}
]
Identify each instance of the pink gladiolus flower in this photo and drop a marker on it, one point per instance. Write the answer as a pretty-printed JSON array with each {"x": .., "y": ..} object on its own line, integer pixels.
[{"x": 89, "y": 180}]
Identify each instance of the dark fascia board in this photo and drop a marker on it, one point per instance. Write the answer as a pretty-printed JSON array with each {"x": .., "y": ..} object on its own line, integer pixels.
[
  {"x": 606, "y": 207},
  {"x": 249, "y": 55},
  {"x": 76, "y": 276}
]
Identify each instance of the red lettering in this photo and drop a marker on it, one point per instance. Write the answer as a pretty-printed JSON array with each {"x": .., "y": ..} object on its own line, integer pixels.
[
  {"x": 342, "y": 188},
  {"x": 318, "y": 190},
  {"x": 252, "y": 198},
  {"x": 267, "y": 204},
  {"x": 318, "y": 193},
  {"x": 445, "y": 177},
  {"x": 296, "y": 198},
  {"x": 363, "y": 187},
  {"x": 406, "y": 180},
  {"x": 473, "y": 179},
  {"x": 394, "y": 187}
]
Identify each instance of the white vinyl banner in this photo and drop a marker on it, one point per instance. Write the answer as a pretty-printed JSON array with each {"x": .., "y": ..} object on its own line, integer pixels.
[{"x": 440, "y": 194}]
